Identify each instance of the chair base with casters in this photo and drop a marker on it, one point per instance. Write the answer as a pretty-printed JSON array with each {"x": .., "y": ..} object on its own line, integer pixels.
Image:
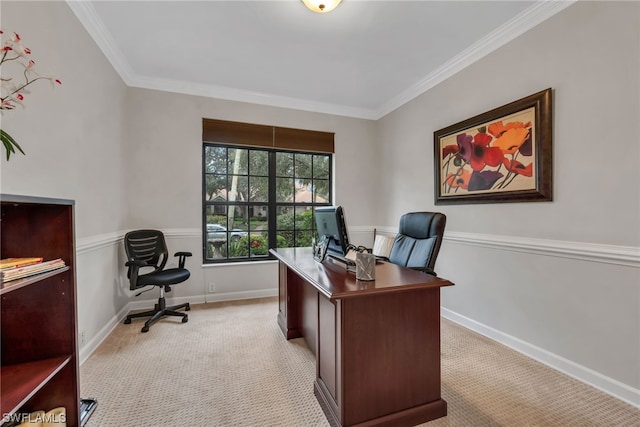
[
  {"x": 146, "y": 249},
  {"x": 160, "y": 310}
]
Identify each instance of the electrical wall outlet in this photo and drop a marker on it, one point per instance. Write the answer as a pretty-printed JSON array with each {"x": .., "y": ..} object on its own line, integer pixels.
[
  {"x": 82, "y": 338},
  {"x": 212, "y": 287}
]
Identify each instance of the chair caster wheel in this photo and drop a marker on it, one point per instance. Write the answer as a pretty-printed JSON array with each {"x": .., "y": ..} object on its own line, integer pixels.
[
  {"x": 185, "y": 319},
  {"x": 145, "y": 329},
  {"x": 127, "y": 321},
  {"x": 187, "y": 308}
]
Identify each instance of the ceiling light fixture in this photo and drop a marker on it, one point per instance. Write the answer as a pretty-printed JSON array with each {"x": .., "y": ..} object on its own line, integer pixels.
[{"x": 321, "y": 6}]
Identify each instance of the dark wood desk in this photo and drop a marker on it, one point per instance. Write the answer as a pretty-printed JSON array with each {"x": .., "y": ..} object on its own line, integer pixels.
[{"x": 377, "y": 344}]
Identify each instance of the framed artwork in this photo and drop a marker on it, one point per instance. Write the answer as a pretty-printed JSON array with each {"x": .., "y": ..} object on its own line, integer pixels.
[{"x": 503, "y": 155}]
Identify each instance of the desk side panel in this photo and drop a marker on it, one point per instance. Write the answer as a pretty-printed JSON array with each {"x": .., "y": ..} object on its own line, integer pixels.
[
  {"x": 289, "y": 302},
  {"x": 327, "y": 345},
  {"x": 391, "y": 354}
]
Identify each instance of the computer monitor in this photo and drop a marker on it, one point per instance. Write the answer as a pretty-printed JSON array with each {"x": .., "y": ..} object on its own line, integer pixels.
[{"x": 330, "y": 223}]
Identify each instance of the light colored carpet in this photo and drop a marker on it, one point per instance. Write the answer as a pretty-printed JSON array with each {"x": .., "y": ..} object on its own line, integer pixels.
[{"x": 231, "y": 366}]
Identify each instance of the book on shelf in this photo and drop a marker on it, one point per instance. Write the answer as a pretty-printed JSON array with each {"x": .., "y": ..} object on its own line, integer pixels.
[
  {"x": 18, "y": 262},
  {"x": 13, "y": 273}
]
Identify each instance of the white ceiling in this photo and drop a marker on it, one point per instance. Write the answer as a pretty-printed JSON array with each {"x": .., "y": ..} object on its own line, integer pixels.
[{"x": 364, "y": 59}]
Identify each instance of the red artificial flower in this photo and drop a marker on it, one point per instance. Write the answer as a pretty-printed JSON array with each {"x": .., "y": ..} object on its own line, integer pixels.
[
  {"x": 482, "y": 139},
  {"x": 482, "y": 155}
]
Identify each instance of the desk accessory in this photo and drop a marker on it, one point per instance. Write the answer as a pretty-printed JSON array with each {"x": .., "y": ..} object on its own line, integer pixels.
[
  {"x": 365, "y": 266},
  {"x": 320, "y": 248}
]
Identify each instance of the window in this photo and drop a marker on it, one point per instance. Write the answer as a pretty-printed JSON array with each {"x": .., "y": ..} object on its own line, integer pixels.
[{"x": 258, "y": 196}]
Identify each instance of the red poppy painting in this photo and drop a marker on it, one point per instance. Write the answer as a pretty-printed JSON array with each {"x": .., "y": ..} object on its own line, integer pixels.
[{"x": 503, "y": 155}]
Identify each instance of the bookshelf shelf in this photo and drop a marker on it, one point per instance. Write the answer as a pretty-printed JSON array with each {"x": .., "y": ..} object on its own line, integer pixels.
[
  {"x": 38, "y": 315},
  {"x": 18, "y": 283},
  {"x": 21, "y": 381}
]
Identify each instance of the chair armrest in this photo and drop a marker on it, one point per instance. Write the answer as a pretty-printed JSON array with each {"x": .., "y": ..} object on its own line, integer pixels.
[
  {"x": 183, "y": 257},
  {"x": 132, "y": 274}
]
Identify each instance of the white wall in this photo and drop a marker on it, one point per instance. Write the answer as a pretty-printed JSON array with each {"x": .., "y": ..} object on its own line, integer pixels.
[
  {"x": 580, "y": 313},
  {"x": 164, "y": 155},
  {"x": 74, "y": 139},
  {"x": 72, "y": 134},
  {"x": 165, "y": 168}
]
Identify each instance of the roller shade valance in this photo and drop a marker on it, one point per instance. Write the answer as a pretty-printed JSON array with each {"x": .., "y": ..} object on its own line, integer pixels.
[{"x": 253, "y": 135}]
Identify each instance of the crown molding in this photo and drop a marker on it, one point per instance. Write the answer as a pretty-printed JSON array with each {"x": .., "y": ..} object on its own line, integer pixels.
[
  {"x": 532, "y": 16},
  {"x": 88, "y": 17},
  {"x": 241, "y": 95},
  {"x": 529, "y": 18}
]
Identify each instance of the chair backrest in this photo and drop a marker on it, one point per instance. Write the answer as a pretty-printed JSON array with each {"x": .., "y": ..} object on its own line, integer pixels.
[
  {"x": 418, "y": 240},
  {"x": 147, "y": 246}
]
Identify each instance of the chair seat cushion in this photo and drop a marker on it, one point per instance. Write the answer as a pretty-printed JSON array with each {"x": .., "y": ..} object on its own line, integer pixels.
[{"x": 170, "y": 276}]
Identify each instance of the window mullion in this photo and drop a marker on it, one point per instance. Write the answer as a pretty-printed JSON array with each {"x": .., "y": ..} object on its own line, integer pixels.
[{"x": 272, "y": 202}]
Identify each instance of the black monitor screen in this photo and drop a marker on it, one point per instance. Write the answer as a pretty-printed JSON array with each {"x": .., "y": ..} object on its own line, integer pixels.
[{"x": 330, "y": 222}]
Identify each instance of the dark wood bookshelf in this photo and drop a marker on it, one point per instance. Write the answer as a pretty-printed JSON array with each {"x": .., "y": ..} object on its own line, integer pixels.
[{"x": 38, "y": 315}]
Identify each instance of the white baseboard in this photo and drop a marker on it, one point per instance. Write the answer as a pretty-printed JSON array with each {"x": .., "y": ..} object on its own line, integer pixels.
[
  {"x": 91, "y": 345},
  {"x": 588, "y": 376},
  {"x": 233, "y": 296}
]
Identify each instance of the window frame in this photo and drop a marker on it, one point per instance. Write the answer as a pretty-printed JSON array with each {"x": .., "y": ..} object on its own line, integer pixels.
[{"x": 234, "y": 135}]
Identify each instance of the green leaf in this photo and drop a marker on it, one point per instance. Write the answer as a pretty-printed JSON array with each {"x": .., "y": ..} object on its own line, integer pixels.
[{"x": 9, "y": 143}]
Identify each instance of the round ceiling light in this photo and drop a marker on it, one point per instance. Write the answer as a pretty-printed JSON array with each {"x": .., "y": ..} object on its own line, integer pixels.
[{"x": 321, "y": 6}]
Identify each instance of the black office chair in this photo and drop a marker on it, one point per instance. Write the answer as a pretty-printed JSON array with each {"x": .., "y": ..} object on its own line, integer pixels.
[
  {"x": 418, "y": 241},
  {"x": 148, "y": 249}
]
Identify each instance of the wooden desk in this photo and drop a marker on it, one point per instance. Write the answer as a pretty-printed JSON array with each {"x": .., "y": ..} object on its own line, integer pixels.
[{"x": 377, "y": 344}]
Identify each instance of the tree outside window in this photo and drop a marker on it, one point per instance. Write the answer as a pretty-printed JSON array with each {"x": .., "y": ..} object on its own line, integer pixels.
[{"x": 256, "y": 199}]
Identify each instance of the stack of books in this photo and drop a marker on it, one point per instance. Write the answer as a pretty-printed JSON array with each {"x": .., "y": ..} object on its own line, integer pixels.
[{"x": 17, "y": 268}]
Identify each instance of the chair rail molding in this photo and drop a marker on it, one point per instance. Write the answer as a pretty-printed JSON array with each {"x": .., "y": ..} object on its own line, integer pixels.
[
  {"x": 610, "y": 254},
  {"x": 98, "y": 241},
  {"x": 595, "y": 252}
]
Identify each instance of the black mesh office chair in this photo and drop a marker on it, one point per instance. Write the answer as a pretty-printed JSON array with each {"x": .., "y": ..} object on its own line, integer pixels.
[
  {"x": 418, "y": 241},
  {"x": 147, "y": 249}
]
